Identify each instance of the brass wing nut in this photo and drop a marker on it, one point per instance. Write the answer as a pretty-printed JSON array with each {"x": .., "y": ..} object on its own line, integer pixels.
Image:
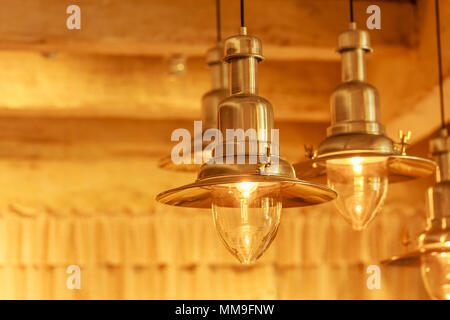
[
  {"x": 267, "y": 162},
  {"x": 401, "y": 146},
  {"x": 310, "y": 151}
]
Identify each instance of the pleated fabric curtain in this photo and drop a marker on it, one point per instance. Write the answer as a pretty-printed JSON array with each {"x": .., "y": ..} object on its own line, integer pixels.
[{"x": 173, "y": 253}]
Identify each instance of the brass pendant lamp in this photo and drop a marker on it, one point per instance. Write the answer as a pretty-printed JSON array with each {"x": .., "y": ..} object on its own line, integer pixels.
[
  {"x": 432, "y": 252},
  {"x": 210, "y": 101},
  {"x": 246, "y": 197},
  {"x": 357, "y": 158}
]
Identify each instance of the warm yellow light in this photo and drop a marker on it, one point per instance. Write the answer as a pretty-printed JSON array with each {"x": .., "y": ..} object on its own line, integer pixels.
[
  {"x": 356, "y": 161},
  {"x": 246, "y": 188},
  {"x": 361, "y": 183}
]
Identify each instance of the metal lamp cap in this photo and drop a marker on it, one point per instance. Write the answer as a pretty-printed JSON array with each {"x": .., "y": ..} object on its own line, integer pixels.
[
  {"x": 440, "y": 144},
  {"x": 440, "y": 151},
  {"x": 354, "y": 39},
  {"x": 215, "y": 55},
  {"x": 242, "y": 46},
  {"x": 435, "y": 239}
]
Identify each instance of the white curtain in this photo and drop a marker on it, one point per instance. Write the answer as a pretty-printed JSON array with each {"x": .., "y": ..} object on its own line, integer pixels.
[{"x": 172, "y": 253}]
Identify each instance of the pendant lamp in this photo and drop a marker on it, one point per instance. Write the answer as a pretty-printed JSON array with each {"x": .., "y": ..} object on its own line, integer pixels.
[
  {"x": 210, "y": 101},
  {"x": 432, "y": 252},
  {"x": 357, "y": 158},
  {"x": 246, "y": 197}
]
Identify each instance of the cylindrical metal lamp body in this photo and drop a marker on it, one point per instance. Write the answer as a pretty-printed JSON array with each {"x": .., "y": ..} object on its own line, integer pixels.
[
  {"x": 355, "y": 112},
  {"x": 243, "y": 75},
  {"x": 219, "y": 91},
  {"x": 244, "y": 109}
]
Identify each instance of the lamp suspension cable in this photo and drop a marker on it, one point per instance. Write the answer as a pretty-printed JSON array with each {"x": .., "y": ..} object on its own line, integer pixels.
[
  {"x": 242, "y": 13},
  {"x": 352, "y": 18},
  {"x": 219, "y": 29},
  {"x": 441, "y": 78}
]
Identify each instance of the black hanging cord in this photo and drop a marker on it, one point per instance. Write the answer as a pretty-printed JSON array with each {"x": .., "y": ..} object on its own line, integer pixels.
[
  {"x": 441, "y": 77},
  {"x": 242, "y": 13},
  {"x": 352, "y": 18},
  {"x": 219, "y": 31}
]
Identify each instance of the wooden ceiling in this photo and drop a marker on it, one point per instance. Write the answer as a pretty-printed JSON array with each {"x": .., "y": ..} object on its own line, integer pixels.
[{"x": 117, "y": 64}]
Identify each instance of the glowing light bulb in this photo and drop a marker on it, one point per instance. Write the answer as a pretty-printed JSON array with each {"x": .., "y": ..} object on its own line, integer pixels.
[
  {"x": 435, "y": 270},
  {"x": 246, "y": 188},
  {"x": 246, "y": 216},
  {"x": 361, "y": 184}
]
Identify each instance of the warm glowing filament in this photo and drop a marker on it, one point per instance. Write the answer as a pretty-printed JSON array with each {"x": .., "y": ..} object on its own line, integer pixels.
[
  {"x": 246, "y": 188},
  {"x": 356, "y": 161}
]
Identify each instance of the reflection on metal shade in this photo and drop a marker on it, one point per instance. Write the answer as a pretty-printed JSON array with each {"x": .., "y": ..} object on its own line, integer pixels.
[
  {"x": 411, "y": 259},
  {"x": 400, "y": 168},
  {"x": 294, "y": 193}
]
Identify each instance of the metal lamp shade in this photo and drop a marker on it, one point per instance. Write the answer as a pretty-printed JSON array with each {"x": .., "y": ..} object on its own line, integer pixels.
[
  {"x": 244, "y": 110},
  {"x": 294, "y": 192},
  {"x": 436, "y": 236},
  {"x": 210, "y": 102},
  {"x": 400, "y": 168},
  {"x": 356, "y": 130}
]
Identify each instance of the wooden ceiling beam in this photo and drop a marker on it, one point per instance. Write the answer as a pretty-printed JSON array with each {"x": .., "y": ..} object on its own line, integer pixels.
[
  {"x": 141, "y": 87},
  {"x": 81, "y": 138},
  {"x": 289, "y": 29}
]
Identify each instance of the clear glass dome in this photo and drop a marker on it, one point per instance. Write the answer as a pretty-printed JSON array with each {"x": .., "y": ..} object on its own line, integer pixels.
[
  {"x": 361, "y": 184},
  {"x": 246, "y": 216},
  {"x": 435, "y": 270}
]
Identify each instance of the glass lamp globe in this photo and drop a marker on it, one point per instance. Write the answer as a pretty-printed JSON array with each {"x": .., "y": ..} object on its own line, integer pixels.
[
  {"x": 248, "y": 227},
  {"x": 435, "y": 272},
  {"x": 361, "y": 184}
]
